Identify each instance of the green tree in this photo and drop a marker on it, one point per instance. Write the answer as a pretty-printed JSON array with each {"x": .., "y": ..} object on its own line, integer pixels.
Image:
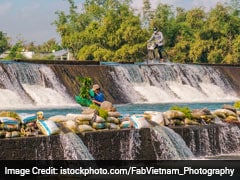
[
  {"x": 147, "y": 13},
  {"x": 110, "y": 30},
  {"x": 3, "y": 42},
  {"x": 102, "y": 31},
  {"x": 235, "y": 5},
  {"x": 48, "y": 46},
  {"x": 16, "y": 51}
]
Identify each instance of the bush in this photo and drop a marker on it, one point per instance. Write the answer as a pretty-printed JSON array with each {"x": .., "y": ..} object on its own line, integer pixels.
[
  {"x": 85, "y": 86},
  {"x": 101, "y": 112},
  {"x": 237, "y": 105},
  {"x": 185, "y": 110}
]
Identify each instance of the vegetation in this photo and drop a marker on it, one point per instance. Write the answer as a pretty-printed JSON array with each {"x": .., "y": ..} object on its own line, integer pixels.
[
  {"x": 16, "y": 51},
  {"x": 111, "y": 30},
  {"x": 3, "y": 42},
  {"x": 42, "y": 52},
  {"x": 236, "y": 104},
  {"x": 85, "y": 86},
  {"x": 101, "y": 112},
  {"x": 104, "y": 30},
  {"x": 185, "y": 110}
]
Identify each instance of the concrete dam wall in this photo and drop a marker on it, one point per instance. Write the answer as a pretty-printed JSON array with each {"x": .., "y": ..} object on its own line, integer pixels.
[
  {"x": 132, "y": 83},
  {"x": 56, "y": 84},
  {"x": 128, "y": 144},
  {"x": 21, "y": 84}
]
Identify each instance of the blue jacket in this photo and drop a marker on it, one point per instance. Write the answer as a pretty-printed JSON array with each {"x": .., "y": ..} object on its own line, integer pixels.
[{"x": 99, "y": 97}]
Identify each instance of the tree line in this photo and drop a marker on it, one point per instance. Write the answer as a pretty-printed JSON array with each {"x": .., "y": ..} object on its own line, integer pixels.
[
  {"x": 15, "y": 51},
  {"x": 111, "y": 30}
]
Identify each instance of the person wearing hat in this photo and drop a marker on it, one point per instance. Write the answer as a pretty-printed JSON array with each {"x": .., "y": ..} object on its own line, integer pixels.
[
  {"x": 158, "y": 37},
  {"x": 40, "y": 115},
  {"x": 98, "y": 96}
]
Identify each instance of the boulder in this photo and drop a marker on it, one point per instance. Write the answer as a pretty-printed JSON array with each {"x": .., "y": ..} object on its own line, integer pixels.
[
  {"x": 88, "y": 111},
  {"x": 108, "y": 106},
  {"x": 174, "y": 114},
  {"x": 229, "y": 107},
  {"x": 224, "y": 113},
  {"x": 154, "y": 116},
  {"x": 199, "y": 113}
]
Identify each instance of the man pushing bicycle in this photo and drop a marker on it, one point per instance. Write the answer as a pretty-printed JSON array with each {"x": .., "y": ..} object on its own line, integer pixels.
[{"x": 157, "y": 36}]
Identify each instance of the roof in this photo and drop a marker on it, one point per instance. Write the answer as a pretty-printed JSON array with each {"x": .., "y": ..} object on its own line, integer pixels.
[{"x": 60, "y": 53}]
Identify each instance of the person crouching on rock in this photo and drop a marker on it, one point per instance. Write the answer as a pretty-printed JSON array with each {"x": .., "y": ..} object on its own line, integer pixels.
[
  {"x": 40, "y": 115},
  {"x": 98, "y": 97}
]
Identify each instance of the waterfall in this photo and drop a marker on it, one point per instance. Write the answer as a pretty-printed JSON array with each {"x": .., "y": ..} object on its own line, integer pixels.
[
  {"x": 130, "y": 149},
  {"x": 169, "y": 145},
  {"x": 200, "y": 142},
  {"x": 173, "y": 83},
  {"x": 40, "y": 85},
  {"x": 229, "y": 139},
  {"x": 31, "y": 85},
  {"x": 74, "y": 148},
  {"x": 218, "y": 139}
]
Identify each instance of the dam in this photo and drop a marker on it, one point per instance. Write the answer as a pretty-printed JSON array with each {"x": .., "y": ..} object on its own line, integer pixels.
[{"x": 26, "y": 85}]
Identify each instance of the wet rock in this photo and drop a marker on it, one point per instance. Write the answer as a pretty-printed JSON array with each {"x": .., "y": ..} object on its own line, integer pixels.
[
  {"x": 229, "y": 107},
  {"x": 108, "y": 106},
  {"x": 174, "y": 114}
]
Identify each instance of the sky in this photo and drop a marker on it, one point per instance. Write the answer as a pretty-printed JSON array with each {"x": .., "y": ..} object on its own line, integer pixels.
[{"x": 31, "y": 20}]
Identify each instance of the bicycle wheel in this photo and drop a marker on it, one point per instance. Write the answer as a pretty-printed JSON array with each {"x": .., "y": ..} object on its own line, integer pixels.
[
  {"x": 150, "y": 56},
  {"x": 165, "y": 56}
]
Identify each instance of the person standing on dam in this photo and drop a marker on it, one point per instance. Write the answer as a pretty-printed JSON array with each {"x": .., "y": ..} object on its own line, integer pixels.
[{"x": 157, "y": 36}]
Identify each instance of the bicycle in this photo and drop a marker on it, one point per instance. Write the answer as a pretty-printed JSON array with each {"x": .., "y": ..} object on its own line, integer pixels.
[{"x": 153, "y": 54}]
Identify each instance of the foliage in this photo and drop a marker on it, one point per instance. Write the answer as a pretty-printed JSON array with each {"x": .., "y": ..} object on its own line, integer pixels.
[
  {"x": 39, "y": 56},
  {"x": 3, "y": 42},
  {"x": 101, "y": 30},
  {"x": 85, "y": 86},
  {"x": 101, "y": 112},
  {"x": 47, "y": 47},
  {"x": 236, "y": 104},
  {"x": 186, "y": 110},
  {"x": 16, "y": 51},
  {"x": 112, "y": 31}
]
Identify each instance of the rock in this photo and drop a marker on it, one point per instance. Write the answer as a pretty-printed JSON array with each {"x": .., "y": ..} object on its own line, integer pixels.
[
  {"x": 199, "y": 113},
  {"x": 229, "y": 107},
  {"x": 85, "y": 128},
  {"x": 114, "y": 114},
  {"x": 232, "y": 119},
  {"x": 238, "y": 113},
  {"x": 108, "y": 106},
  {"x": 174, "y": 114},
  {"x": 167, "y": 122},
  {"x": 190, "y": 122},
  {"x": 224, "y": 112},
  {"x": 58, "y": 118},
  {"x": 178, "y": 122},
  {"x": 88, "y": 111},
  {"x": 155, "y": 116}
]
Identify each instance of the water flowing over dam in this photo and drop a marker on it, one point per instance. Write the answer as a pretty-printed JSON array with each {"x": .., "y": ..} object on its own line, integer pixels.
[
  {"x": 36, "y": 85},
  {"x": 30, "y": 85}
]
